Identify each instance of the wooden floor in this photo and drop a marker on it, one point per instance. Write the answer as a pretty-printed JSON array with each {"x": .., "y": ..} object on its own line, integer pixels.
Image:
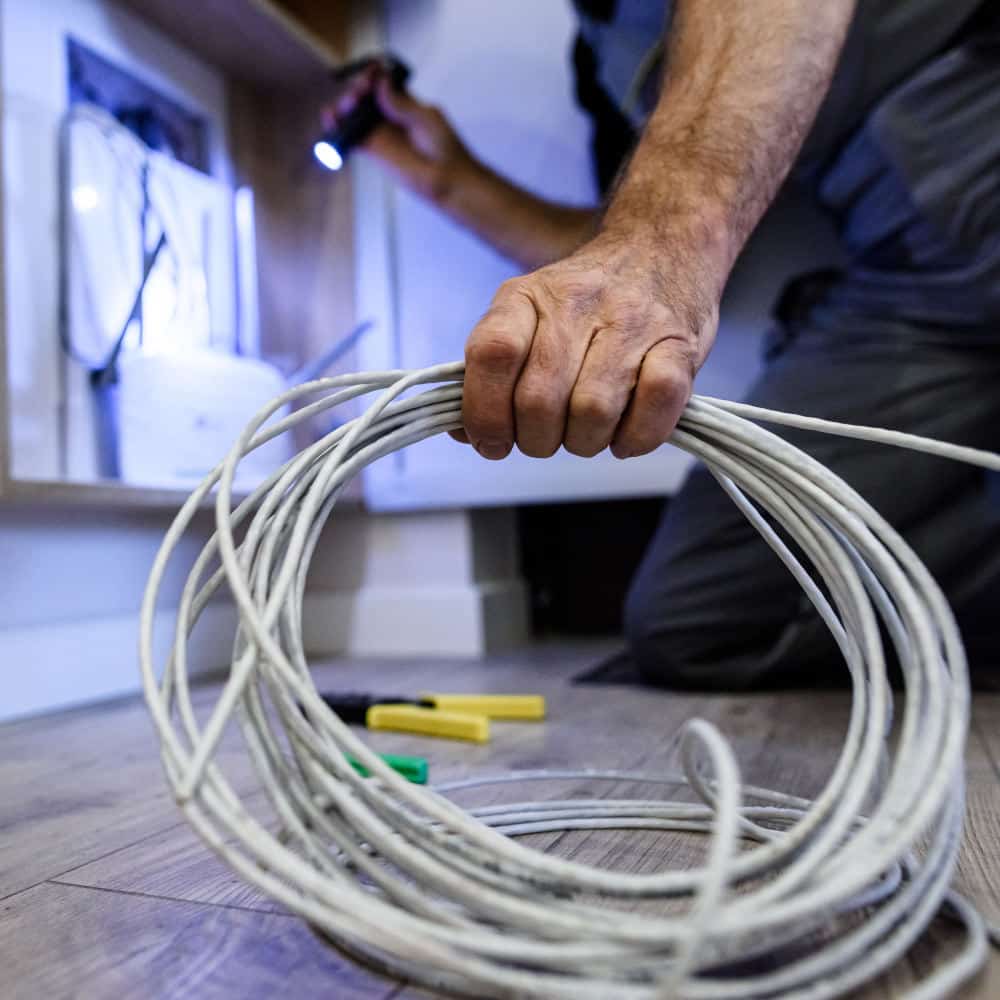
[{"x": 104, "y": 892}]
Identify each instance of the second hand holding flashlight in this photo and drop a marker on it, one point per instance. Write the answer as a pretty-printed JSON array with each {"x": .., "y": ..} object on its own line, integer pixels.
[{"x": 332, "y": 149}]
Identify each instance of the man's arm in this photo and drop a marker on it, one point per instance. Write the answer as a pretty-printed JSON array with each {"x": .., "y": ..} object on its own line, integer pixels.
[
  {"x": 418, "y": 146},
  {"x": 526, "y": 229},
  {"x": 602, "y": 348}
]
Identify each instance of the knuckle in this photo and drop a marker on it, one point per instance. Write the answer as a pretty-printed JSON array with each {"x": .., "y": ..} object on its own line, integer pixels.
[
  {"x": 509, "y": 289},
  {"x": 535, "y": 402},
  {"x": 668, "y": 382},
  {"x": 485, "y": 427},
  {"x": 592, "y": 407},
  {"x": 492, "y": 350}
]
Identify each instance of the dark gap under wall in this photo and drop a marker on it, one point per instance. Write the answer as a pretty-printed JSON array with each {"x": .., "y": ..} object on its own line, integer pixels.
[{"x": 578, "y": 559}]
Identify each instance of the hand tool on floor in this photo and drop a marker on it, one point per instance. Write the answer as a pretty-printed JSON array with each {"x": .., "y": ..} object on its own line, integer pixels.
[
  {"x": 412, "y": 768},
  {"x": 450, "y": 716}
]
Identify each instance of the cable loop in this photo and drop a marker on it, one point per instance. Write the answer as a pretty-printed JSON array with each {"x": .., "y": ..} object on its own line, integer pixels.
[{"x": 405, "y": 879}]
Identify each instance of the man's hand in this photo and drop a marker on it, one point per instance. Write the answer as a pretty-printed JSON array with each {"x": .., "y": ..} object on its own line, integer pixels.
[
  {"x": 419, "y": 147},
  {"x": 599, "y": 349},
  {"x": 416, "y": 143}
]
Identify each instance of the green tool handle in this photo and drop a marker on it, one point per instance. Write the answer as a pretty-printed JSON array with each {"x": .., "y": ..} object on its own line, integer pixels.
[{"x": 412, "y": 768}]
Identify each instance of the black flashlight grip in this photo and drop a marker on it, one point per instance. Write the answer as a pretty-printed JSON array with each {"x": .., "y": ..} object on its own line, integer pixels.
[{"x": 356, "y": 126}]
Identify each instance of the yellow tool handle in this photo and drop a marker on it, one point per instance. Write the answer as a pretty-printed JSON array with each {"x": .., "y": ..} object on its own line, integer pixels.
[
  {"x": 429, "y": 722},
  {"x": 495, "y": 706}
]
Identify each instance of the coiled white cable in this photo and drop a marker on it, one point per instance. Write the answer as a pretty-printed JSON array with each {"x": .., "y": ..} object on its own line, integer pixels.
[{"x": 834, "y": 890}]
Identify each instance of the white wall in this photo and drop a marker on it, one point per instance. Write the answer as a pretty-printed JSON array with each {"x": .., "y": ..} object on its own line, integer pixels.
[
  {"x": 437, "y": 583},
  {"x": 70, "y": 585},
  {"x": 72, "y": 580}
]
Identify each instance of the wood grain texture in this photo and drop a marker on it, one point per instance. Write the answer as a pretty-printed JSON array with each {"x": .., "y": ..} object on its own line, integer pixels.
[
  {"x": 248, "y": 41},
  {"x": 317, "y": 25},
  {"x": 63, "y": 941},
  {"x": 174, "y": 864},
  {"x": 78, "y": 785},
  {"x": 148, "y": 910},
  {"x": 978, "y": 874},
  {"x": 986, "y": 730}
]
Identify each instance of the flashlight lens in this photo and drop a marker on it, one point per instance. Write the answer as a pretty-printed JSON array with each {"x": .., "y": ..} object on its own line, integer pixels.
[{"x": 327, "y": 154}]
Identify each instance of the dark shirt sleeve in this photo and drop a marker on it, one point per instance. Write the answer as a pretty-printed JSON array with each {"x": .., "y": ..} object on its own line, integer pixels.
[{"x": 613, "y": 136}]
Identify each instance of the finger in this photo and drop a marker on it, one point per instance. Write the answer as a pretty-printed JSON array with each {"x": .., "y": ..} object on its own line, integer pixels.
[
  {"x": 460, "y": 436},
  {"x": 661, "y": 393},
  {"x": 345, "y": 104},
  {"x": 393, "y": 149},
  {"x": 397, "y": 105},
  {"x": 494, "y": 355},
  {"x": 602, "y": 390},
  {"x": 390, "y": 144},
  {"x": 353, "y": 90},
  {"x": 542, "y": 396}
]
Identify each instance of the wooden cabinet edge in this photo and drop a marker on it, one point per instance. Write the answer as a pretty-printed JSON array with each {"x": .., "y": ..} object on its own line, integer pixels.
[{"x": 112, "y": 495}]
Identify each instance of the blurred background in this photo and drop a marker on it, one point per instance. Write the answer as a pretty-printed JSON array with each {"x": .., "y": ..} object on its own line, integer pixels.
[{"x": 173, "y": 256}]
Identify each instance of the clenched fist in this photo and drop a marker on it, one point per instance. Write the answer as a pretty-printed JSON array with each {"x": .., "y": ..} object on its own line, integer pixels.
[{"x": 597, "y": 350}]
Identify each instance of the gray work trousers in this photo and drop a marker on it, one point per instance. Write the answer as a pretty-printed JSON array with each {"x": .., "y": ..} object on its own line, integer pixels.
[{"x": 711, "y": 606}]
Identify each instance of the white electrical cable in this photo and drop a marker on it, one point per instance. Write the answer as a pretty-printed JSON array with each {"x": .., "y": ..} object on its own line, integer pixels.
[{"x": 832, "y": 890}]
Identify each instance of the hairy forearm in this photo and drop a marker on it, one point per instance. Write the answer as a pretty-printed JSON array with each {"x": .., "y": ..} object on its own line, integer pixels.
[
  {"x": 523, "y": 227},
  {"x": 601, "y": 349},
  {"x": 744, "y": 79}
]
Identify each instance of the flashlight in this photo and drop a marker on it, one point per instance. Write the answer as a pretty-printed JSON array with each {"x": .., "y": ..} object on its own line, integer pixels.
[{"x": 332, "y": 149}]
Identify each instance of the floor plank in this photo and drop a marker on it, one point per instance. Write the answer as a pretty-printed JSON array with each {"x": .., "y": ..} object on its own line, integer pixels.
[
  {"x": 62, "y": 942},
  {"x": 174, "y": 864},
  {"x": 978, "y": 873},
  {"x": 87, "y": 782},
  {"x": 986, "y": 729},
  {"x": 92, "y": 813}
]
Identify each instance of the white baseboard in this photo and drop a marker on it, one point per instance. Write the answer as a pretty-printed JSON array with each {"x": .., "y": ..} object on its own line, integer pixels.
[
  {"x": 60, "y": 665},
  {"x": 468, "y": 619},
  {"x": 52, "y": 666}
]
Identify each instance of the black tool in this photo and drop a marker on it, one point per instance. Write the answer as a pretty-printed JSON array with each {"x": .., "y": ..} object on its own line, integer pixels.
[
  {"x": 332, "y": 149},
  {"x": 352, "y": 706}
]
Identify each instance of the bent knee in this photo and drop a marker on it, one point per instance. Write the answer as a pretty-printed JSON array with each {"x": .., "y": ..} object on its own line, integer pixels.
[{"x": 716, "y": 653}]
